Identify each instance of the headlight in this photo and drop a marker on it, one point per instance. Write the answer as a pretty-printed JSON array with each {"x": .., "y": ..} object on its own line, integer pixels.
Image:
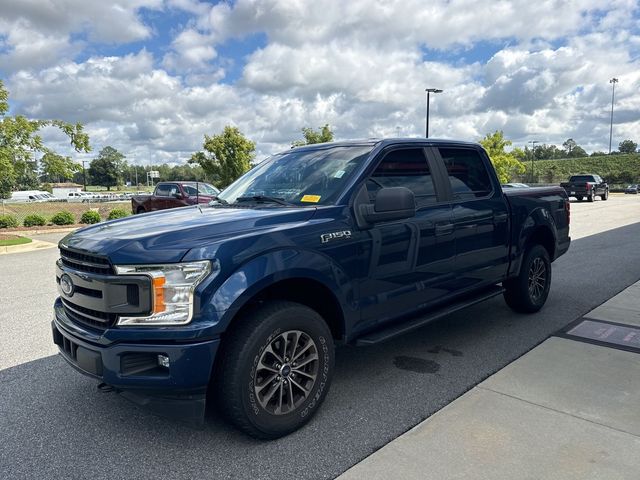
[{"x": 172, "y": 287}]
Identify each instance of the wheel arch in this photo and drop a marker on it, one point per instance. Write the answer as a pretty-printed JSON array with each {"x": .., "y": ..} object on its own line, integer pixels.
[{"x": 305, "y": 291}]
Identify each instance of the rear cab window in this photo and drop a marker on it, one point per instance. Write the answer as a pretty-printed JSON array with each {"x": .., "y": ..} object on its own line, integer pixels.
[{"x": 467, "y": 173}]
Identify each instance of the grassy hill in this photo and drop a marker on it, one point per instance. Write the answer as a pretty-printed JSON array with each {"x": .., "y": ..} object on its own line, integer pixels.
[{"x": 615, "y": 169}]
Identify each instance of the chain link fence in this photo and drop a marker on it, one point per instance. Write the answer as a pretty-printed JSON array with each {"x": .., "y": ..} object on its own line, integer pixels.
[{"x": 22, "y": 210}]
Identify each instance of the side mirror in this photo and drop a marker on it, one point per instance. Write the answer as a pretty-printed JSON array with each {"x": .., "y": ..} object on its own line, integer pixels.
[{"x": 393, "y": 203}]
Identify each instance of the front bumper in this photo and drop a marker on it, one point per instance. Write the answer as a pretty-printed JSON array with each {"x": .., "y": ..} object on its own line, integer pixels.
[{"x": 134, "y": 366}]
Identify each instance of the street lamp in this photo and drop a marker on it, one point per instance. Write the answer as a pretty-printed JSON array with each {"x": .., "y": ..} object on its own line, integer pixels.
[
  {"x": 613, "y": 82},
  {"x": 429, "y": 92},
  {"x": 84, "y": 175},
  {"x": 533, "y": 155}
]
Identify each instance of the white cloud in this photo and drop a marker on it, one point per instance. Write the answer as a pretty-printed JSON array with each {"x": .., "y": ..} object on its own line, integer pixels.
[{"x": 361, "y": 66}]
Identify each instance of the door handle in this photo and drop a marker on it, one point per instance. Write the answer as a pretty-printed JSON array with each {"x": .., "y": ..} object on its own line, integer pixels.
[
  {"x": 499, "y": 218},
  {"x": 444, "y": 229}
]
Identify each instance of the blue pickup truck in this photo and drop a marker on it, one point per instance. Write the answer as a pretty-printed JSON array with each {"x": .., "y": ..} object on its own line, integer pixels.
[{"x": 244, "y": 300}]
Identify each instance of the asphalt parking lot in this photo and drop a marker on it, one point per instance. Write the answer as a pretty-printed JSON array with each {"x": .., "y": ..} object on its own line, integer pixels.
[{"x": 55, "y": 423}]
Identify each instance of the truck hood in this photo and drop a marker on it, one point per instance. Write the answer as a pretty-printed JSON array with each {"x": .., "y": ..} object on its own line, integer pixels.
[{"x": 166, "y": 236}]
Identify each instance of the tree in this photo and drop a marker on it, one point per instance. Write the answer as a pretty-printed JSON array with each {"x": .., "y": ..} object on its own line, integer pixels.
[
  {"x": 578, "y": 152},
  {"x": 627, "y": 146},
  {"x": 505, "y": 163},
  {"x": 323, "y": 135},
  {"x": 106, "y": 169},
  {"x": 226, "y": 156},
  {"x": 569, "y": 145},
  {"x": 19, "y": 143},
  {"x": 56, "y": 167},
  {"x": 7, "y": 177}
]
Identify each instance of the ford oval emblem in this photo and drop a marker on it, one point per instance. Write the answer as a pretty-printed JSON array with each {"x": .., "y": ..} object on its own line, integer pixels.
[{"x": 66, "y": 285}]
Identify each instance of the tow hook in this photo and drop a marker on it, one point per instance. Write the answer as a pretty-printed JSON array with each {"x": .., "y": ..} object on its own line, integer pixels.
[{"x": 104, "y": 388}]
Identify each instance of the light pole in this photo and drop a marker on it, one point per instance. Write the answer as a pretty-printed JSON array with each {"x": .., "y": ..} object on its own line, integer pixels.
[
  {"x": 613, "y": 82},
  {"x": 533, "y": 155},
  {"x": 429, "y": 92},
  {"x": 84, "y": 175}
]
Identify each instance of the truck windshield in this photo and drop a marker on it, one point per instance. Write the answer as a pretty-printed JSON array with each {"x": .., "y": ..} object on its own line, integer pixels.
[{"x": 299, "y": 177}]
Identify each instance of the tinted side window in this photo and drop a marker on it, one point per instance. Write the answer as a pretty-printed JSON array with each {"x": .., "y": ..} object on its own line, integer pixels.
[
  {"x": 189, "y": 190},
  {"x": 467, "y": 173},
  {"x": 162, "y": 190},
  {"x": 404, "y": 168}
]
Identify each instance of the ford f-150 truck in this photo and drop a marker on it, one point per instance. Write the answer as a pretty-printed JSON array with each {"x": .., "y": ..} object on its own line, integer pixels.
[
  {"x": 586, "y": 186},
  {"x": 244, "y": 299},
  {"x": 174, "y": 195}
]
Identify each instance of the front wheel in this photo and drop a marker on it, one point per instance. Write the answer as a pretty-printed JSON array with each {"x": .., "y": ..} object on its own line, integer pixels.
[
  {"x": 528, "y": 292},
  {"x": 275, "y": 370}
]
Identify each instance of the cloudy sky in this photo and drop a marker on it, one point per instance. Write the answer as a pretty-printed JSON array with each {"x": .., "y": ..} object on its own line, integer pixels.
[{"x": 151, "y": 77}]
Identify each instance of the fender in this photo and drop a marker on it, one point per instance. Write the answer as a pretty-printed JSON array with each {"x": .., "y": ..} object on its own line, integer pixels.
[
  {"x": 539, "y": 218},
  {"x": 269, "y": 268}
]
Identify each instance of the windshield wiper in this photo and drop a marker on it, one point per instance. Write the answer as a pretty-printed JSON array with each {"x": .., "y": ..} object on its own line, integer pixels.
[
  {"x": 264, "y": 198},
  {"x": 216, "y": 198}
]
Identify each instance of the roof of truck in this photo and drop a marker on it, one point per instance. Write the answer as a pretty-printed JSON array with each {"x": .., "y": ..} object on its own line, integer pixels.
[{"x": 387, "y": 141}]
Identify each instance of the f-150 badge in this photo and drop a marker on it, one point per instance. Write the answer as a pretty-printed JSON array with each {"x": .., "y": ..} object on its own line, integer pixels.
[{"x": 327, "y": 237}]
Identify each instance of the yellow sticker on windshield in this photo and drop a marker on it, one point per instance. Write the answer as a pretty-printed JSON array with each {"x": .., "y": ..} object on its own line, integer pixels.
[{"x": 310, "y": 198}]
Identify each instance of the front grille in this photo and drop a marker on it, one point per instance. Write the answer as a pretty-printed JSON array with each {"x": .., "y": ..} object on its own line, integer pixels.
[
  {"x": 85, "y": 263},
  {"x": 86, "y": 316}
]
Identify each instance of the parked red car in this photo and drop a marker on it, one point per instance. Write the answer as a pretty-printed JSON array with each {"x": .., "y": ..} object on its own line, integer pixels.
[{"x": 173, "y": 195}]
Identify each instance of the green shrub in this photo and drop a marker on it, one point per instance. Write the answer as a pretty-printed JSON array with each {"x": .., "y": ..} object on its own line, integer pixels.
[
  {"x": 34, "y": 220},
  {"x": 8, "y": 221},
  {"x": 63, "y": 218},
  {"x": 90, "y": 216},
  {"x": 117, "y": 213}
]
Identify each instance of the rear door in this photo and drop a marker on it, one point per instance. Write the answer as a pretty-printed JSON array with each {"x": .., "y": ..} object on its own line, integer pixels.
[{"x": 480, "y": 216}]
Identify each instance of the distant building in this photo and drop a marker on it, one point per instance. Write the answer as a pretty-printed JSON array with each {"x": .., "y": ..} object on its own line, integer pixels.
[{"x": 62, "y": 190}]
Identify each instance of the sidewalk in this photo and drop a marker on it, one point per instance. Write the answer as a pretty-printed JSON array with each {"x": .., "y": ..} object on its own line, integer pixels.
[{"x": 568, "y": 409}]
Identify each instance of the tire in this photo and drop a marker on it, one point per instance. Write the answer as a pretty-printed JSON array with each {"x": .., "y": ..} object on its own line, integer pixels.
[
  {"x": 140, "y": 210},
  {"x": 261, "y": 396},
  {"x": 591, "y": 197},
  {"x": 518, "y": 293},
  {"x": 605, "y": 195},
  {"x": 579, "y": 199}
]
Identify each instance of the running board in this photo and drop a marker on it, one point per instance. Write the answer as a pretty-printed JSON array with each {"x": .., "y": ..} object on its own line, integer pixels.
[{"x": 403, "y": 326}]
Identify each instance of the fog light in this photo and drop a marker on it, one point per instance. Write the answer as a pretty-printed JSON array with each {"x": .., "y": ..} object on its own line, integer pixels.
[{"x": 163, "y": 361}]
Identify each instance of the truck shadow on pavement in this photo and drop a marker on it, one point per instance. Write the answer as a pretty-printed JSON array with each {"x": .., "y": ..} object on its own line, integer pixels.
[{"x": 55, "y": 423}]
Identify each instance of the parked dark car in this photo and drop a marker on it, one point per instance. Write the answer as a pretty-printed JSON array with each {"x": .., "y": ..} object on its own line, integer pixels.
[
  {"x": 632, "y": 189},
  {"x": 586, "y": 186},
  {"x": 340, "y": 243},
  {"x": 173, "y": 195}
]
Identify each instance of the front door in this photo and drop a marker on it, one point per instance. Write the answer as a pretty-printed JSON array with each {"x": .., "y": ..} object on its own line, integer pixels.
[{"x": 407, "y": 259}]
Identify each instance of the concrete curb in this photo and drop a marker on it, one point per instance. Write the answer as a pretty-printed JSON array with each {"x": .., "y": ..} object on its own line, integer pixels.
[
  {"x": 27, "y": 233},
  {"x": 27, "y": 247}
]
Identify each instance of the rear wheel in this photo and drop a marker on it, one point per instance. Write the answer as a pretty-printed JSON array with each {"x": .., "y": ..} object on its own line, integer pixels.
[
  {"x": 275, "y": 370},
  {"x": 140, "y": 210},
  {"x": 605, "y": 195},
  {"x": 592, "y": 196},
  {"x": 528, "y": 292},
  {"x": 579, "y": 199}
]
